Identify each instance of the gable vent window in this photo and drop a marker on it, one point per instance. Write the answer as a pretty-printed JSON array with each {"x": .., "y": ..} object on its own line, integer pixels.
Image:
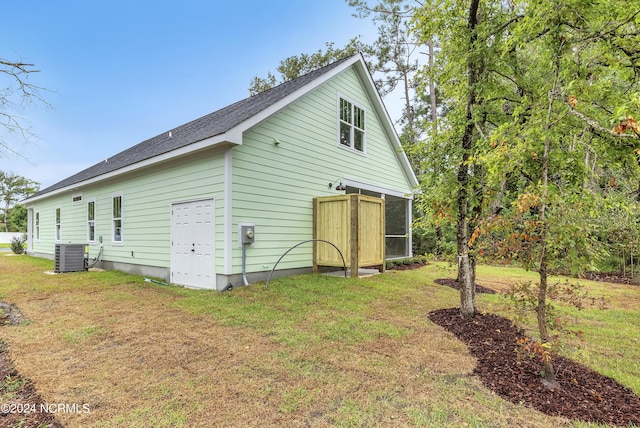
[{"x": 351, "y": 125}]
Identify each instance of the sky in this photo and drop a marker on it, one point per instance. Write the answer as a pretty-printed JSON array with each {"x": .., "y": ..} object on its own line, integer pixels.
[{"x": 118, "y": 72}]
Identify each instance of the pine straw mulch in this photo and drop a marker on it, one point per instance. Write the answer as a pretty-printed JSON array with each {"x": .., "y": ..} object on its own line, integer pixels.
[
  {"x": 18, "y": 396},
  {"x": 583, "y": 394}
]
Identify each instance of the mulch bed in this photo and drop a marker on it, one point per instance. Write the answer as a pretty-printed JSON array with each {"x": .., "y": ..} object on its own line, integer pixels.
[
  {"x": 409, "y": 266},
  {"x": 614, "y": 277},
  {"x": 455, "y": 284},
  {"x": 583, "y": 394},
  {"x": 20, "y": 403}
]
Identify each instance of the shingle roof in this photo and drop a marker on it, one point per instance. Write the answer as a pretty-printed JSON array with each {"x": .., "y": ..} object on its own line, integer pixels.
[{"x": 213, "y": 124}]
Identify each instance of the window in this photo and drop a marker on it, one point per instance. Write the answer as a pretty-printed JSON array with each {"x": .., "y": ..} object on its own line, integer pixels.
[
  {"x": 91, "y": 221},
  {"x": 351, "y": 125},
  {"x": 76, "y": 199},
  {"x": 117, "y": 218},
  {"x": 37, "y": 226},
  {"x": 58, "y": 222}
]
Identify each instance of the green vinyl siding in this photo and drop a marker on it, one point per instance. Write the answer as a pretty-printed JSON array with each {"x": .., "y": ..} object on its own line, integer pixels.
[
  {"x": 274, "y": 185},
  {"x": 147, "y": 195}
]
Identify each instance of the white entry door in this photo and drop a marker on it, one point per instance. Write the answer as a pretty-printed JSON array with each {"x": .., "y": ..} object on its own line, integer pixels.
[{"x": 193, "y": 244}]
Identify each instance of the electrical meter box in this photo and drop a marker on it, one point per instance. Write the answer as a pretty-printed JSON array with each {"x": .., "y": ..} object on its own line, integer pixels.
[{"x": 247, "y": 234}]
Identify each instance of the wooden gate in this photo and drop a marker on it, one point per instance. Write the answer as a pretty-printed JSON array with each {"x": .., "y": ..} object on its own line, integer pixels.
[{"x": 353, "y": 223}]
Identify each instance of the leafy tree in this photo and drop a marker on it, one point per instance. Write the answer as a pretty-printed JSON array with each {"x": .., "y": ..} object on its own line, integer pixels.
[
  {"x": 453, "y": 175},
  {"x": 533, "y": 89},
  {"x": 15, "y": 91},
  {"x": 298, "y": 65},
  {"x": 17, "y": 219},
  {"x": 13, "y": 188}
]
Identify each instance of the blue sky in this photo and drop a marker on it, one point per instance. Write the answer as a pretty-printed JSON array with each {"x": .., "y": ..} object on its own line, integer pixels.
[{"x": 121, "y": 71}]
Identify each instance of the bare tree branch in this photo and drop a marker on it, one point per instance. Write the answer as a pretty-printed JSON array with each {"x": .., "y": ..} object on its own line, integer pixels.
[
  {"x": 595, "y": 125},
  {"x": 15, "y": 93}
]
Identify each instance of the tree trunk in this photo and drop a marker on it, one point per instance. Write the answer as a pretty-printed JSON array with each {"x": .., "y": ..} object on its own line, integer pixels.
[
  {"x": 541, "y": 308},
  {"x": 465, "y": 266},
  {"x": 434, "y": 125}
]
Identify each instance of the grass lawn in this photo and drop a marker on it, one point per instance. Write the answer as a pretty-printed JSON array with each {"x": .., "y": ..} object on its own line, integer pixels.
[{"x": 309, "y": 351}]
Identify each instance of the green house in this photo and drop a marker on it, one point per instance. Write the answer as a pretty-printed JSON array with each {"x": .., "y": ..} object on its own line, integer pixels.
[{"x": 178, "y": 206}]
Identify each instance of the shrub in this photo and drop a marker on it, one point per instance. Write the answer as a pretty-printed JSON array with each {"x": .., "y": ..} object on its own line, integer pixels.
[{"x": 17, "y": 243}]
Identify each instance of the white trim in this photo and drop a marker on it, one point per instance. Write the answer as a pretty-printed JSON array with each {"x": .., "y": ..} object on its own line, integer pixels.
[
  {"x": 234, "y": 136},
  {"x": 200, "y": 145},
  {"x": 78, "y": 196},
  {"x": 372, "y": 187},
  {"x": 410, "y": 229},
  {"x": 36, "y": 225},
  {"x": 57, "y": 227},
  {"x": 95, "y": 222},
  {"x": 115, "y": 195},
  {"x": 339, "y": 121},
  {"x": 387, "y": 124},
  {"x": 294, "y": 96},
  {"x": 30, "y": 229},
  {"x": 228, "y": 211}
]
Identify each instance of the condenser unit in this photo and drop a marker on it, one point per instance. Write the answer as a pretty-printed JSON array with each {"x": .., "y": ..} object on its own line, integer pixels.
[{"x": 70, "y": 258}]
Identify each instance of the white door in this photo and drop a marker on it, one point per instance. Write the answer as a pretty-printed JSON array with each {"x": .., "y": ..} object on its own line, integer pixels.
[{"x": 193, "y": 244}]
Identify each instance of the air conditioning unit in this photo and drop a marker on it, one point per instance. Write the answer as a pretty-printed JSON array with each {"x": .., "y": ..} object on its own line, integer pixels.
[{"x": 70, "y": 258}]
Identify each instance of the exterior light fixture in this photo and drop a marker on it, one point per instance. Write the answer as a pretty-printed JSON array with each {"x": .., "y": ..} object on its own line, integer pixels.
[{"x": 340, "y": 186}]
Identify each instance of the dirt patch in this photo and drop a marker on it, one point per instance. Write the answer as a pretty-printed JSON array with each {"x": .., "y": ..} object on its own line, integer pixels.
[
  {"x": 583, "y": 394},
  {"x": 20, "y": 404},
  {"x": 456, "y": 285},
  {"x": 10, "y": 314}
]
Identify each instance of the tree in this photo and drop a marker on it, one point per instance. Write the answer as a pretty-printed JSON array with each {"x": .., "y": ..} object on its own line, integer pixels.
[
  {"x": 298, "y": 65},
  {"x": 462, "y": 30},
  {"x": 395, "y": 57},
  {"x": 16, "y": 92},
  {"x": 13, "y": 188},
  {"x": 533, "y": 89},
  {"x": 17, "y": 219}
]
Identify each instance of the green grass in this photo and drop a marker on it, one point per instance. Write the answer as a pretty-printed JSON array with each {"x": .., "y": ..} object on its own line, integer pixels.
[
  {"x": 311, "y": 350},
  {"x": 604, "y": 339}
]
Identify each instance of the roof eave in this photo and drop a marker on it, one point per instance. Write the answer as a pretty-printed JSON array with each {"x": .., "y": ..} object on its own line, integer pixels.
[{"x": 228, "y": 138}]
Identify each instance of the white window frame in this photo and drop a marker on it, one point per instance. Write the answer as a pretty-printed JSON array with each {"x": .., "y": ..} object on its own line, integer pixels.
[
  {"x": 114, "y": 219},
  {"x": 91, "y": 222},
  {"x": 57, "y": 221},
  {"x": 36, "y": 222},
  {"x": 353, "y": 128},
  {"x": 76, "y": 199}
]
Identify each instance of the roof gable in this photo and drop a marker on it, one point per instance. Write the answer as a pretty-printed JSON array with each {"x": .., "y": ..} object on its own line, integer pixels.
[{"x": 226, "y": 125}]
